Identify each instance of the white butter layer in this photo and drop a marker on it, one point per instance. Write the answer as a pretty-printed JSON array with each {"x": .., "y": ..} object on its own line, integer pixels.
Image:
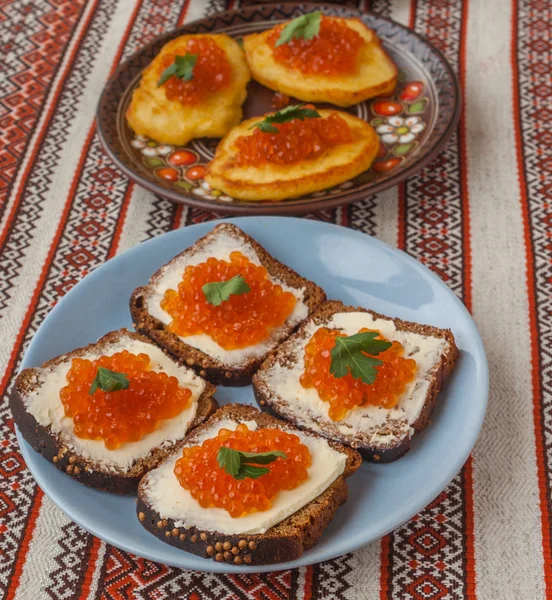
[
  {"x": 220, "y": 247},
  {"x": 368, "y": 420},
  {"x": 167, "y": 497},
  {"x": 46, "y": 407}
]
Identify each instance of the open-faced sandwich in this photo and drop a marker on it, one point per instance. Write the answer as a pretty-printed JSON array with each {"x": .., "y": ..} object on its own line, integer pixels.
[
  {"x": 246, "y": 488},
  {"x": 363, "y": 379},
  {"x": 222, "y": 305},
  {"x": 193, "y": 88},
  {"x": 295, "y": 151},
  {"x": 107, "y": 413},
  {"x": 318, "y": 58}
]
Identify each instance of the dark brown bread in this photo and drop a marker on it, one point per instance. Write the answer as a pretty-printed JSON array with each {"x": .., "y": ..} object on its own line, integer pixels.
[
  {"x": 84, "y": 470},
  {"x": 399, "y": 442},
  {"x": 285, "y": 541},
  {"x": 211, "y": 368}
]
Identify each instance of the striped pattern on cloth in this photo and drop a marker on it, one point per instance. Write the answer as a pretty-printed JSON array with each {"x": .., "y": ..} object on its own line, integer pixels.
[{"x": 480, "y": 216}]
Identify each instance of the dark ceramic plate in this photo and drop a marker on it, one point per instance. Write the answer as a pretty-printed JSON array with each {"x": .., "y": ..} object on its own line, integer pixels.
[{"x": 413, "y": 124}]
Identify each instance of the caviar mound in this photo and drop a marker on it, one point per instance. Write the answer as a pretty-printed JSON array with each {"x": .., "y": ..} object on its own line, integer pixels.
[
  {"x": 282, "y": 179},
  {"x": 334, "y": 51},
  {"x": 295, "y": 141},
  {"x": 241, "y": 321},
  {"x": 345, "y": 393},
  {"x": 211, "y": 72},
  {"x": 208, "y": 105},
  {"x": 199, "y": 472},
  {"x": 125, "y": 415},
  {"x": 343, "y": 65}
]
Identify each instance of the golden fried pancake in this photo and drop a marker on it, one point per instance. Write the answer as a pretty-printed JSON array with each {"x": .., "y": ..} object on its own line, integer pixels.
[
  {"x": 375, "y": 75},
  {"x": 152, "y": 114},
  {"x": 268, "y": 181}
]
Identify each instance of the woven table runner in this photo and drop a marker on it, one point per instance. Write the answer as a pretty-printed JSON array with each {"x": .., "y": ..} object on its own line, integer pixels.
[{"x": 480, "y": 216}]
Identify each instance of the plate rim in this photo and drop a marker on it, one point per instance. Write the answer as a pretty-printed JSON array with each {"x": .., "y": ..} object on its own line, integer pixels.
[
  {"x": 31, "y": 457},
  {"x": 282, "y": 207}
]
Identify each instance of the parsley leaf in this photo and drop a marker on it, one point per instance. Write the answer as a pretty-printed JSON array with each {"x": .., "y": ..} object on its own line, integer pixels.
[
  {"x": 305, "y": 27},
  {"x": 219, "y": 291},
  {"x": 182, "y": 67},
  {"x": 240, "y": 465},
  {"x": 252, "y": 472},
  {"x": 290, "y": 113},
  {"x": 229, "y": 460},
  {"x": 108, "y": 381},
  {"x": 350, "y": 354},
  {"x": 261, "y": 458}
]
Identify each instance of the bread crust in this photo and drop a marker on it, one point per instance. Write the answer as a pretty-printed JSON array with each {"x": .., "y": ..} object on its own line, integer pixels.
[
  {"x": 285, "y": 541},
  {"x": 206, "y": 366},
  {"x": 343, "y": 90},
  {"x": 280, "y": 182},
  {"x": 84, "y": 470},
  {"x": 275, "y": 405}
]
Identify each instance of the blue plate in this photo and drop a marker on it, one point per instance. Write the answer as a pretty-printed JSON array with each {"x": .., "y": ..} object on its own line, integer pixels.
[{"x": 351, "y": 267}]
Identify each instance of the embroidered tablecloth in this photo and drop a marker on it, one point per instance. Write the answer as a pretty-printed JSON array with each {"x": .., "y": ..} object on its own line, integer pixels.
[{"x": 480, "y": 216}]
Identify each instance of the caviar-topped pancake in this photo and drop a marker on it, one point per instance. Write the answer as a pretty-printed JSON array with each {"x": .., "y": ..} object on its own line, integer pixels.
[
  {"x": 318, "y": 58},
  {"x": 293, "y": 152},
  {"x": 193, "y": 88}
]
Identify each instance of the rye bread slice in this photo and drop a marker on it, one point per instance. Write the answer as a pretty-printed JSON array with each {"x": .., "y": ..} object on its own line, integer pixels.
[
  {"x": 55, "y": 449},
  {"x": 285, "y": 541},
  {"x": 209, "y": 366},
  {"x": 386, "y": 442}
]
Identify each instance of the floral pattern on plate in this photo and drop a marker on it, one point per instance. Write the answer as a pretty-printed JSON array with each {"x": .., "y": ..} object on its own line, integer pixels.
[
  {"x": 180, "y": 166},
  {"x": 399, "y": 123}
]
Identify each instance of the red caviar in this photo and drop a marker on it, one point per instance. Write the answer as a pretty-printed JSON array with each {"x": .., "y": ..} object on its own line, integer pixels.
[
  {"x": 346, "y": 393},
  {"x": 212, "y": 72},
  {"x": 279, "y": 101},
  {"x": 242, "y": 320},
  {"x": 199, "y": 472},
  {"x": 334, "y": 51},
  {"x": 295, "y": 141},
  {"x": 123, "y": 415}
]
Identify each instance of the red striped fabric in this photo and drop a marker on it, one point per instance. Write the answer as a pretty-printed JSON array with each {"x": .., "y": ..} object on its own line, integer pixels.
[
  {"x": 528, "y": 49},
  {"x": 64, "y": 209}
]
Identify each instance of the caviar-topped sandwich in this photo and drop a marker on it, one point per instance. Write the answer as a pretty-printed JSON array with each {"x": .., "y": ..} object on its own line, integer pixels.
[
  {"x": 318, "y": 58},
  {"x": 246, "y": 488},
  {"x": 363, "y": 379},
  {"x": 295, "y": 151},
  {"x": 107, "y": 413},
  {"x": 193, "y": 88},
  {"x": 222, "y": 305}
]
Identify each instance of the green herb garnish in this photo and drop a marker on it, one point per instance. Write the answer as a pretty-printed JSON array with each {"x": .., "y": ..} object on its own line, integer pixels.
[
  {"x": 240, "y": 465},
  {"x": 219, "y": 291},
  {"x": 349, "y": 354},
  {"x": 290, "y": 113},
  {"x": 304, "y": 27},
  {"x": 182, "y": 67},
  {"x": 108, "y": 381}
]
